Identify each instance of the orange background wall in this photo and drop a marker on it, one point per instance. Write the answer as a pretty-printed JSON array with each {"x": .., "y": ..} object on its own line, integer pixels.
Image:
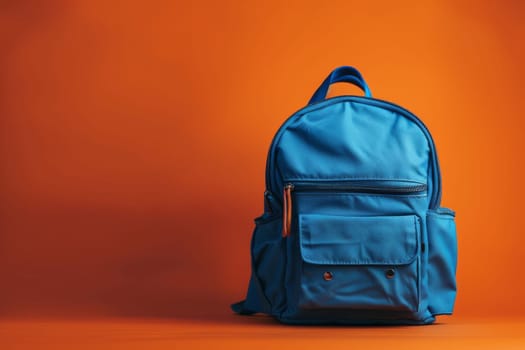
[{"x": 134, "y": 136}]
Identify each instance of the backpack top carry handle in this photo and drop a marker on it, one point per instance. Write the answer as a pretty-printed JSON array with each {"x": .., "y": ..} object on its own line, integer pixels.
[{"x": 344, "y": 74}]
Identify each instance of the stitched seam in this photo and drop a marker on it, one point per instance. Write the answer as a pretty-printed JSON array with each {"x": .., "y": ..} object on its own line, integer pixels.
[
  {"x": 407, "y": 260},
  {"x": 401, "y": 261},
  {"x": 363, "y": 194},
  {"x": 349, "y": 177}
]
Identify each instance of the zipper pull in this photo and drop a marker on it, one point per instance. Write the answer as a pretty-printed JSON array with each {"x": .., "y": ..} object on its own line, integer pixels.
[{"x": 287, "y": 210}]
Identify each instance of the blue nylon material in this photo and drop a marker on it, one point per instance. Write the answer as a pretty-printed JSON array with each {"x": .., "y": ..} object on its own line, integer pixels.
[
  {"x": 370, "y": 233},
  {"x": 374, "y": 144},
  {"x": 355, "y": 235},
  {"x": 274, "y": 178},
  {"x": 442, "y": 247},
  {"x": 357, "y": 288},
  {"x": 358, "y": 240},
  {"x": 269, "y": 260},
  {"x": 370, "y": 245}
]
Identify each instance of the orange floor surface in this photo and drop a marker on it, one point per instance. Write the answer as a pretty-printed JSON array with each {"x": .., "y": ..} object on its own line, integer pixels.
[{"x": 235, "y": 332}]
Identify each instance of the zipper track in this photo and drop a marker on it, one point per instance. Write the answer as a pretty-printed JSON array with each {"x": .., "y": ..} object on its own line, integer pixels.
[
  {"x": 436, "y": 176},
  {"x": 359, "y": 188},
  {"x": 377, "y": 187}
]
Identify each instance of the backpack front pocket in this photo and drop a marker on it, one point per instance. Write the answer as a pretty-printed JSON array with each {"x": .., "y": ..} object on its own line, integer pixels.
[{"x": 358, "y": 263}]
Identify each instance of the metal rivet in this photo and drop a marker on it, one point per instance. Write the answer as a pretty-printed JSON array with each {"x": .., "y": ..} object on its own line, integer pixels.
[
  {"x": 390, "y": 273},
  {"x": 328, "y": 276}
]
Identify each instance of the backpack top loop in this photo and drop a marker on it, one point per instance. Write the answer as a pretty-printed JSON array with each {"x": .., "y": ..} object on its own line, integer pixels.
[{"x": 342, "y": 74}]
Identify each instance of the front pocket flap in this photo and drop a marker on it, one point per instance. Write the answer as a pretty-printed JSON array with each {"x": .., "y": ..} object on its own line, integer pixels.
[{"x": 361, "y": 240}]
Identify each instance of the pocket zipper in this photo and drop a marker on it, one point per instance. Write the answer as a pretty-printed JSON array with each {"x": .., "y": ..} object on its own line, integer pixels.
[{"x": 372, "y": 187}]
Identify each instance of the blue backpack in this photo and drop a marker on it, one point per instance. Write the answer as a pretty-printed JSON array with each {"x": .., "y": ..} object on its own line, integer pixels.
[{"x": 352, "y": 230}]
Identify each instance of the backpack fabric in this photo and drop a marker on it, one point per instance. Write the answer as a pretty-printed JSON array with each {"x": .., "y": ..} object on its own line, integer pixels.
[{"x": 352, "y": 230}]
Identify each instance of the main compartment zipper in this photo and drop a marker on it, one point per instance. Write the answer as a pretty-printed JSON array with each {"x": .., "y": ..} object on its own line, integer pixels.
[{"x": 386, "y": 187}]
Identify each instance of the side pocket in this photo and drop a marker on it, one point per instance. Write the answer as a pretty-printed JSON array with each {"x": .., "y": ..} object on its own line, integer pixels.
[
  {"x": 442, "y": 260},
  {"x": 268, "y": 260}
]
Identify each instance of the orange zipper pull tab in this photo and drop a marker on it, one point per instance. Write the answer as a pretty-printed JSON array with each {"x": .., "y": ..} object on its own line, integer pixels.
[{"x": 287, "y": 210}]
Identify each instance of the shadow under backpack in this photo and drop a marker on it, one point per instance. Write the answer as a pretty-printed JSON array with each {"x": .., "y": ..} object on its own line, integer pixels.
[{"x": 352, "y": 230}]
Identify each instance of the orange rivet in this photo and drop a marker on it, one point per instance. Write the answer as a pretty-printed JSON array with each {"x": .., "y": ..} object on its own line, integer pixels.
[{"x": 328, "y": 276}]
